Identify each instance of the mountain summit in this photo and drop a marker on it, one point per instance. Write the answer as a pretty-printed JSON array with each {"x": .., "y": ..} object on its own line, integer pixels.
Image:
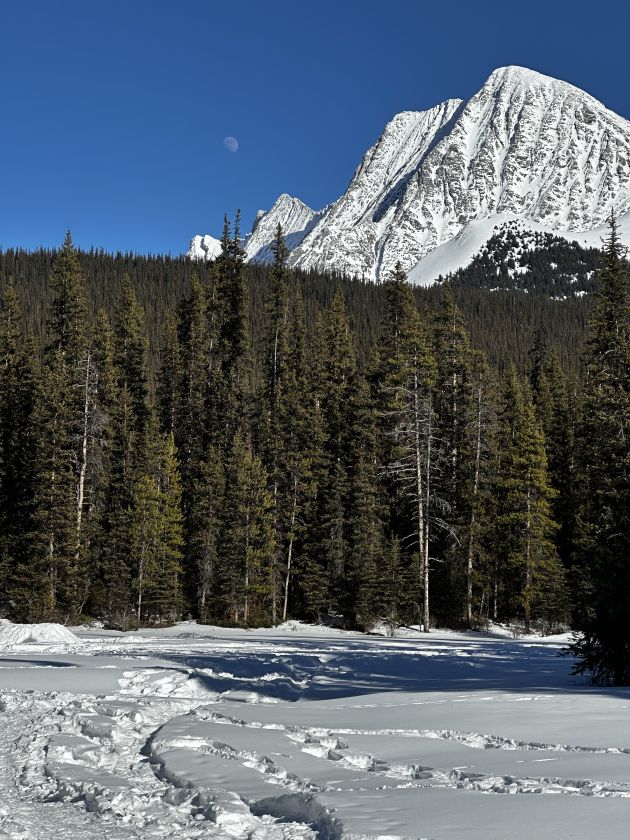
[{"x": 525, "y": 144}]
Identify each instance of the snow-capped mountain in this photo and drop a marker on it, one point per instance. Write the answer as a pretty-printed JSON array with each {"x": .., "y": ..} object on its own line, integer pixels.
[
  {"x": 525, "y": 146},
  {"x": 296, "y": 218},
  {"x": 204, "y": 248}
]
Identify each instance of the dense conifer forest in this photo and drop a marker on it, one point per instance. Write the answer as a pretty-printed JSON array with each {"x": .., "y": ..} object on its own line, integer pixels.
[{"x": 243, "y": 444}]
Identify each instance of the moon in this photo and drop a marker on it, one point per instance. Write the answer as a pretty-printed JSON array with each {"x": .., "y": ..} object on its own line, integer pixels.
[{"x": 231, "y": 144}]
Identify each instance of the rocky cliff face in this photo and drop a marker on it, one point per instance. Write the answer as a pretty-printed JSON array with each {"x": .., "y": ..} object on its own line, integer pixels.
[{"x": 296, "y": 219}]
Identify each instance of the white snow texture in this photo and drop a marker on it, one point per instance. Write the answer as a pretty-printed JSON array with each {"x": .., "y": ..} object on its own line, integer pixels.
[{"x": 298, "y": 733}]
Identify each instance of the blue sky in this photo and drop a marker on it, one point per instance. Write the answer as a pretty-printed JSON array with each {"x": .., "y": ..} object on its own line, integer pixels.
[{"x": 114, "y": 113}]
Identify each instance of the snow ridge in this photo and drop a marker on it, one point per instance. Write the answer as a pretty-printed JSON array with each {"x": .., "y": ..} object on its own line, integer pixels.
[{"x": 296, "y": 219}]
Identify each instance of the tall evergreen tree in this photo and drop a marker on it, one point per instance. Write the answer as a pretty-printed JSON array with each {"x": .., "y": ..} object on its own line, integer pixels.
[
  {"x": 64, "y": 418},
  {"x": 302, "y": 439},
  {"x": 455, "y": 431},
  {"x": 156, "y": 539},
  {"x": 404, "y": 376},
  {"x": 131, "y": 347},
  {"x": 19, "y": 394},
  {"x": 530, "y": 571},
  {"x": 364, "y": 578},
  {"x": 603, "y": 528},
  {"x": 247, "y": 539},
  {"x": 272, "y": 432},
  {"x": 334, "y": 364}
]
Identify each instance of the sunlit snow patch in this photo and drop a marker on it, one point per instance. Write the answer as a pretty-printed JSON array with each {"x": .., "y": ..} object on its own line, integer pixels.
[{"x": 12, "y": 635}]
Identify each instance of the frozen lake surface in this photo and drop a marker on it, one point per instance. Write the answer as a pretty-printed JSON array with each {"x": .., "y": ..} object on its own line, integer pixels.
[{"x": 305, "y": 732}]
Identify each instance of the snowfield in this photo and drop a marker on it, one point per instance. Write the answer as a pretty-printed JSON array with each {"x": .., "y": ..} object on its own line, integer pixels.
[{"x": 302, "y": 732}]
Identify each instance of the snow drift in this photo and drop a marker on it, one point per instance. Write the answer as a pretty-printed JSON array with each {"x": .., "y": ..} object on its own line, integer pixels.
[{"x": 39, "y": 634}]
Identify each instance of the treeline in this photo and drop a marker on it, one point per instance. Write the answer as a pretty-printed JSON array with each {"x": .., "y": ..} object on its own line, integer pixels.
[
  {"x": 297, "y": 477},
  {"x": 502, "y": 324},
  {"x": 532, "y": 262}
]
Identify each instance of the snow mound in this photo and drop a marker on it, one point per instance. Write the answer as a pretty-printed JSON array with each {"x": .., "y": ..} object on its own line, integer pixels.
[{"x": 41, "y": 634}]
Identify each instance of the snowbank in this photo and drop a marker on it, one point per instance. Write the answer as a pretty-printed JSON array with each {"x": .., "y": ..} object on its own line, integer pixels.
[{"x": 41, "y": 634}]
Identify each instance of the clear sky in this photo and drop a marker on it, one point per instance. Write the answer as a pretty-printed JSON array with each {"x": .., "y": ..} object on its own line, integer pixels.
[{"x": 114, "y": 113}]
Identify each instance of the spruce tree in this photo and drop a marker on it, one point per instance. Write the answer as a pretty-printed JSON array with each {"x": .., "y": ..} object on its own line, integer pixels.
[
  {"x": 403, "y": 375},
  {"x": 64, "y": 416},
  {"x": 480, "y": 482},
  {"x": 247, "y": 539},
  {"x": 20, "y": 583},
  {"x": 302, "y": 438},
  {"x": 155, "y": 527},
  {"x": 603, "y": 527},
  {"x": 530, "y": 569},
  {"x": 271, "y": 431},
  {"x": 334, "y": 364},
  {"x": 456, "y": 434},
  {"x": 131, "y": 348},
  {"x": 169, "y": 379},
  {"x": 363, "y": 582}
]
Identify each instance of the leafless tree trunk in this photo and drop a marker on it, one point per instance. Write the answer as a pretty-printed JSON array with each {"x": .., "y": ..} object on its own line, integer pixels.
[
  {"x": 528, "y": 569},
  {"x": 290, "y": 551},
  {"x": 427, "y": 483},
  {"x": 472, "y": 523},
  {"x": 83, "y": 454}
]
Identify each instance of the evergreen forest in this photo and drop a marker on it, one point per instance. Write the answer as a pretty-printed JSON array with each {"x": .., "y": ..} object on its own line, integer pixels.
[{"x": 243, "y": 444}]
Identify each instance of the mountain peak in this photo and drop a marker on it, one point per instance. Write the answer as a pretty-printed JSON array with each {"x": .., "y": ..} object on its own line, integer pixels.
[
  {"x": 516, "y": 74},
  {"x": 526, "y": 145},
  {"x": 514, "y": 77}
]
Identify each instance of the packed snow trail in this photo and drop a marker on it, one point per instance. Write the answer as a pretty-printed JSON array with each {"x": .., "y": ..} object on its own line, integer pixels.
[
  {"x": 303, "y": 733},
  {"x": 23, "y": 718}
]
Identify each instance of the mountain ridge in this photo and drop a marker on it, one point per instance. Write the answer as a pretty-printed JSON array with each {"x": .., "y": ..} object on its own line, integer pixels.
[{"x": 524, "y": 145}]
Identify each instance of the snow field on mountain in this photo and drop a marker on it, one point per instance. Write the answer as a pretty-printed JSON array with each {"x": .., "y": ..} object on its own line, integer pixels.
[
  {"x": 459, "y": 251},
  {"x": 298, "y": 733}
]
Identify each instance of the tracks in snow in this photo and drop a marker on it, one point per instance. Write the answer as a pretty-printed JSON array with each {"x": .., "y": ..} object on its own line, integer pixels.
[{"x": 161, "y": 758}]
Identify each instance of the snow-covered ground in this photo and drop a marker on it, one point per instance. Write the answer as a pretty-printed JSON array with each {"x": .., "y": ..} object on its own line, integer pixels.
[{"x": 304, "y": 732}]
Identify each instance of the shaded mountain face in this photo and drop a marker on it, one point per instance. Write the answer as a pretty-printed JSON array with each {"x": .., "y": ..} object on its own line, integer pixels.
[{"x": 526, "y": 145}]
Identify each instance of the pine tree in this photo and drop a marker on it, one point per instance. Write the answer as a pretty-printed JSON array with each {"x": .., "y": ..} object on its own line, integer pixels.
[
  {"x": 131, "y": 359},
  {"x": 456, "y": 434},
  {"x": 19, "y": 394},
  {"x": 192, "y": 427},
  {"x": 115, "y": 548},
  {"x": 603, "y": 528},
  {"x": 403, "y": 375},
  {"x": 169, "y": 378},
  {"x": 525, "y": 527},
  {"x": 230, "y": 374},
  {"x": 334, "y": 365},
  {"x": 274, "y": 397},
  {"x": 129, "y": 445},
  {"x": 393, "y": 582},
  {"x": 479, "y": 483},
  {"x": 64, "y": 417},
  {"x": 247, "y": 539},
  {"x": 302, "y": 437},
  {"x": 554, "y": 401},
  {"x": 363, "y": 580},
  {"x": 156, "y": 538},
  {"x": 203, "y": 531}
]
